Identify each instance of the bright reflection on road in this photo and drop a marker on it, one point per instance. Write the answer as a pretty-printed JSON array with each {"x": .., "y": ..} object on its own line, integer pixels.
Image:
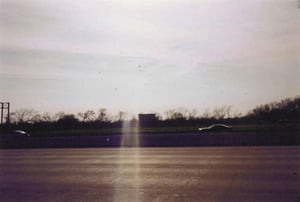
[
  {"x": 128, "y": 163},
  {"x": 130, "y": 134}
]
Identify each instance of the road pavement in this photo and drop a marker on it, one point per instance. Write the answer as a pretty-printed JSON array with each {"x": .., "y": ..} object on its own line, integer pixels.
[{"x": 151, "y": 174}]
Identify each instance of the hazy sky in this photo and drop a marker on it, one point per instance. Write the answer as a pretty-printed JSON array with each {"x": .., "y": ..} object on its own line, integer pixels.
[{"x": 147, "y": 55}]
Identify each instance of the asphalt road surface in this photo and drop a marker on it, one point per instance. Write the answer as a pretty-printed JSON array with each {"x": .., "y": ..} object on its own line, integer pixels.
[{"x": 151, "y": 174}]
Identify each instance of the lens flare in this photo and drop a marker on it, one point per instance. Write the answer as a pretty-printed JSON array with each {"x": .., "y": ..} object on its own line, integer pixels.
[
  {"x": 128, "y": 163},
  {"x": 130, "y": 134}
]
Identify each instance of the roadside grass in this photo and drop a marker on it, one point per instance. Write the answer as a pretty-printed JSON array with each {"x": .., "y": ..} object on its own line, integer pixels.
[
  {"x": 267, "y": 127},
  {"x": 175, "y": 129},
  {"x": 111, "y": 131}
]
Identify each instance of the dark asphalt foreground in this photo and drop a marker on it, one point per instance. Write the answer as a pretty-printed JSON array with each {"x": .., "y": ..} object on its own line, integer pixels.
[{"x": 151, "y": 174}]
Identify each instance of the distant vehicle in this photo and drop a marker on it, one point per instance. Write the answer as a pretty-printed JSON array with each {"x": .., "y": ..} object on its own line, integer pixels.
[
  {"x": 16, "y": 134},
  {"x": 216, "y": 128}
]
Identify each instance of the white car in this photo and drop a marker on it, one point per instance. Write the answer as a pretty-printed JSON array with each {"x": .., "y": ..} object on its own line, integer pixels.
[
  {"x": 16, "y": 134},
  {"x": 216, "y": 128}
]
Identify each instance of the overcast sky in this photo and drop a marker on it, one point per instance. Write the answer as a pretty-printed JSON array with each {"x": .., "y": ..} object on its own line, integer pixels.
[{"x": 147, "y": 55}]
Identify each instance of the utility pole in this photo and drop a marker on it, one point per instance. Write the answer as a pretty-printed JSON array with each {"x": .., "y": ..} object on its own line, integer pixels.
[{"x": 5, "y": 109}]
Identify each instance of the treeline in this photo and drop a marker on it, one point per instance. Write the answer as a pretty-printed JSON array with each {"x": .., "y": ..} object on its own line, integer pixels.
[
  {"x": 284, "y": 111},
  {"x": 287, "y": 110}
]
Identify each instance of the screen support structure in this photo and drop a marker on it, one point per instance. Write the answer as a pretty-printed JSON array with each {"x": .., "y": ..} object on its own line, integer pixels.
[{"x": 5, "y": 112}]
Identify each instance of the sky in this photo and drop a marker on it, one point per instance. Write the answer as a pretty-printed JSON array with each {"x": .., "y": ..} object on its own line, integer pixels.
[{"x": 145, "y": 56}]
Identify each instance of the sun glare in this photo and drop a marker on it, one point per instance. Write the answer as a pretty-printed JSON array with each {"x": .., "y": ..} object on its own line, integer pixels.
[
  {"x": 130, "y": 134},
  {"x": 128, "y": 161}
]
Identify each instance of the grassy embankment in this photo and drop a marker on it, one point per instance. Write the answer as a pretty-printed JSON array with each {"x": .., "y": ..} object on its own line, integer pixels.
[{"x": 179, "y": 129}]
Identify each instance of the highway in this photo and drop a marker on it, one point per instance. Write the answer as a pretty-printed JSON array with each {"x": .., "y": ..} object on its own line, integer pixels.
[{"x": 264, "y": 173}]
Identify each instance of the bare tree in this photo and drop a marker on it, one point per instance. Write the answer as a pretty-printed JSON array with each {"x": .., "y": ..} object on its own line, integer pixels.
[
  {"x": 193, "y": 114},
  {"x": 169, "y": 113},
  {"x": 178, "y": 114},
  {"x": 59, "y": 115},
  {"x": 37, "y": 118},
  {"x": 102, "y": 115},
  {"x": 68, "y": 121},
  {"x": 219, "y": 113},
  {"x": 237, "y": 114},
  {"x": 46, "y": 117},
  {"x": 24, "y": 115},
  {"x": 285, "y": 110},
  {"x": 122, "y": 116},
  {"x": 158, "y": 116},
  {"x": 184, "y": 112},
  {"x": 228, "y": 111},
  {"x": 89, "y": 115},
  {"x": 206, "y": 114}
]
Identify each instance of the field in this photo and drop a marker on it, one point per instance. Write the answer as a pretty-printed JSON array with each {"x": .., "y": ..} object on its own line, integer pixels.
[
  {"x": 137, "y": 139},
  {"x": 175, "y": 129},
  {"x": 272, "y": 134}
]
